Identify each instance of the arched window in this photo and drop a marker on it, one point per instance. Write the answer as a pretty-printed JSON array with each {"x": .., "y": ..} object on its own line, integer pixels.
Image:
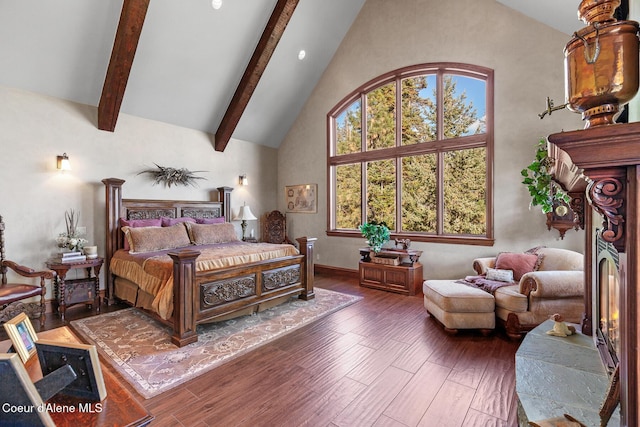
[{"x": 414, "y": 148}]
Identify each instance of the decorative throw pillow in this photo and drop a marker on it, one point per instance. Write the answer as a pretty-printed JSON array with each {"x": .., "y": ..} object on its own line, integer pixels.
[
  {"x": 499, "y": 275},
  {"x": 151, "y": 239},
  {"x": 218, "y": 220},
  {"x": 151, "y": 222},
  {"x": 168, "y": 222},
  {"x": 204, "y": 234},
  {"x": 519, "y": 263}
]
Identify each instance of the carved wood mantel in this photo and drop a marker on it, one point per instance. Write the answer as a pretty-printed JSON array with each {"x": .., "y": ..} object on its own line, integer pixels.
[
  {"x": 602, "y": 154},
  {"x": 609, "y": 157}
]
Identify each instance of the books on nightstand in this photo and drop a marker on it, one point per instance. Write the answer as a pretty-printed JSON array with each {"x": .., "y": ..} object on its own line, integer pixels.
[{"x": 75, "y": 256}]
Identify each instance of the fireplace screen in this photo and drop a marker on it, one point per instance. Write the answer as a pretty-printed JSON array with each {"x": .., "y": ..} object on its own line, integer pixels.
[{"x": 609, "y": 311}]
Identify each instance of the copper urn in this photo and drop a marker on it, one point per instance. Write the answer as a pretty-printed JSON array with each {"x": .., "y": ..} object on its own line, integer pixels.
[{"x": 601, "y": 63}]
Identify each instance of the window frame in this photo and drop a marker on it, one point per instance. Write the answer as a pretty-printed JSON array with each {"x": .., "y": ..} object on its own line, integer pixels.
[{"x": 439, "y": 146}]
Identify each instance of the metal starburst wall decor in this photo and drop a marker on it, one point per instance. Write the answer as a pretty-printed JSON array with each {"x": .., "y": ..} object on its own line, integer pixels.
[{"x": 172, "y": 176}]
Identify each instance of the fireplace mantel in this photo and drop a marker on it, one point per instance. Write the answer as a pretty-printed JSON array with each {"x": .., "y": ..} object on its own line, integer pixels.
[{"x": 609, "y": 158}]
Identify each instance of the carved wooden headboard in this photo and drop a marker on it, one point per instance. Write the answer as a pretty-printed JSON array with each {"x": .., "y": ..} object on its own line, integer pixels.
[{"x": 117, "y": 207}]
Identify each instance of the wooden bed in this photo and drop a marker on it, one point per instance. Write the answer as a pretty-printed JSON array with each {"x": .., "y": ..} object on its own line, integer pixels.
[{"x": 271, "y": 280}]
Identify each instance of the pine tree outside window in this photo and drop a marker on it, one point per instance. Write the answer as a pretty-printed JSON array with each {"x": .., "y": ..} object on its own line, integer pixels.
[{"x": 414, "y": 148}]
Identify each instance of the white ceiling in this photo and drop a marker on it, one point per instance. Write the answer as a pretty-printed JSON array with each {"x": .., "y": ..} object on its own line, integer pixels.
[
  {"x": 191, "y": 57},
  {"x": 188, "y": 63},
  {"x": 559, "y": 14}
]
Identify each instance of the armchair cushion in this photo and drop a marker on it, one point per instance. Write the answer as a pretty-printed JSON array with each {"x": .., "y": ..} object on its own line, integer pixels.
[
  {"x": 18, "y": 291},
  {"x": 510, "y": 298},
  {"x": 519, "y": 263}
]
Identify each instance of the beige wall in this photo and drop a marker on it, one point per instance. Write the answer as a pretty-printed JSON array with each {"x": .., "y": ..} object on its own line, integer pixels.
[
  {"x": 527, "y": 58},
  {"x": 34, "y": 195}
]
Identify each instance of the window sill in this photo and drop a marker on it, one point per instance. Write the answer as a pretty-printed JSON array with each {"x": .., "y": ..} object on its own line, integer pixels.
[{"x": 454, "y": 240}]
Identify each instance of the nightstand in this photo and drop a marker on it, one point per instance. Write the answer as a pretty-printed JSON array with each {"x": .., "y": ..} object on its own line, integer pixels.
[{"x": 76, "y": 291}]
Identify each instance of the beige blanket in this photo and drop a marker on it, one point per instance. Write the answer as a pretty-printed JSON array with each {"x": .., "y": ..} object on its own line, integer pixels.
[{"x": 153, "y": 272}]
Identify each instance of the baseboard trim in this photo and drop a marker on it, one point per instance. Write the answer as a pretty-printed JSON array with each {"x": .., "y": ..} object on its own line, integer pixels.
[{"x": 328, "y": 269}]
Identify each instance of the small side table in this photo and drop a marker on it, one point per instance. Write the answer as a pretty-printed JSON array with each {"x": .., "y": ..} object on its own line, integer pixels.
[{"x": 76, "y": 291}]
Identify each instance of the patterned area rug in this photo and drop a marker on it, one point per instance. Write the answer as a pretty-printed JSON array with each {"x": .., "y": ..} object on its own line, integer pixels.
[{"x": 139, "y": 347}]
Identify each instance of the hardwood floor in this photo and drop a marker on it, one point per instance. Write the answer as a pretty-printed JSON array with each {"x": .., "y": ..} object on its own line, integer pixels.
[{"x": 379, "y": 362}]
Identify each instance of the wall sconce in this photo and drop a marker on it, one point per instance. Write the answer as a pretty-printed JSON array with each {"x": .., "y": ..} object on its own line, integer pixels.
[
  {"x": 242, "y": 180},
  {"x": 63, "y": 163}
]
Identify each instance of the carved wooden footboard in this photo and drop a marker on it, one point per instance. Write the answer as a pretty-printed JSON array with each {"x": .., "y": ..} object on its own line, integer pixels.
[{"x": 202, "y": 297}]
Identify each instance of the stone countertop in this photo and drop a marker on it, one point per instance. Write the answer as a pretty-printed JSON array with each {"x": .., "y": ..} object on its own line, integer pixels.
[{"x": 561, "y": 375}]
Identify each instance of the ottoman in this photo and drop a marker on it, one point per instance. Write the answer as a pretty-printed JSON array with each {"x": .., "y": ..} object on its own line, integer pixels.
[{"x": 458, "y": 306}]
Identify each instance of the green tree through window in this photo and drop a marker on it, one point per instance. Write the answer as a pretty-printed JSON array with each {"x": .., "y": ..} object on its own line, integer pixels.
[{"x": 413, "y": 149}]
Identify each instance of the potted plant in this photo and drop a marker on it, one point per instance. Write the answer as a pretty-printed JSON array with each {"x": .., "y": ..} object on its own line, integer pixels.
[
  {"x": 377, "y": 234},
  {"x": 543, "y": 189}
]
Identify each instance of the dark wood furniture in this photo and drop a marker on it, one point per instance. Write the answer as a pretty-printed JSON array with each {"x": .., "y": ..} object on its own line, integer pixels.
[
  {"x": 274, "y": 228},
  {"x": 190, "y": 308},
  {"x": 11, "y": 293},
  {"x": 76, "y": 291},
  {"x": 406, "y": 257},
  {"x": 119, "y": 408},
  {"x": 610, "y": 157},
  {"x": 403, "y": 279}
]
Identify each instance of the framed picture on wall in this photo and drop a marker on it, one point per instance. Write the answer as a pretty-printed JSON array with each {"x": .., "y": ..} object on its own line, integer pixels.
[
  {"x": 22, "y": 336},
  {"x": 302, "y": 198}
]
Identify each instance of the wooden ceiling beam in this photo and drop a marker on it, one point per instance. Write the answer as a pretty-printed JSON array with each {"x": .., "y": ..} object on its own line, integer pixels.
[
  {"x": 271, "y": 35},
  {"x": 124, "y": 50}
]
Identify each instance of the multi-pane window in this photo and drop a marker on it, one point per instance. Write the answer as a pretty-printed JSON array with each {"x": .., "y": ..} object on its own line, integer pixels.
[{"x": 414, "y": 149}]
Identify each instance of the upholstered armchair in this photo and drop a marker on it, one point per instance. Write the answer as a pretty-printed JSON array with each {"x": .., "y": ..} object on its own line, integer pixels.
[
  {"x": 12, "y": 295},
  {"x": 556, "y": 286}
]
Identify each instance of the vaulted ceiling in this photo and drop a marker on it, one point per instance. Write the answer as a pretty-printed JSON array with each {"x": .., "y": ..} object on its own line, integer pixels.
[
  {"x": 559, "y": 14},
  {"x": 182, "y": 62}
]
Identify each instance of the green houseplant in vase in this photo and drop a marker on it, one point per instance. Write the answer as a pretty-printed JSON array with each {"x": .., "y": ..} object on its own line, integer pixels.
[
  {"x": 542, "y": 188},
  {"x": 377, "y": 234}
]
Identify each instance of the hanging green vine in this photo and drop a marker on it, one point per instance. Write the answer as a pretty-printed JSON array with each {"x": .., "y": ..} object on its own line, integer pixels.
[{"x": 542, "y": 188}]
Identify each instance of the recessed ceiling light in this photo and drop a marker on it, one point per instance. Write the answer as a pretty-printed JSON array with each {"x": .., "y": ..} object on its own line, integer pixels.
[
  {"x": 216, "y": 4},
  {"x": 301, "y": 55}
]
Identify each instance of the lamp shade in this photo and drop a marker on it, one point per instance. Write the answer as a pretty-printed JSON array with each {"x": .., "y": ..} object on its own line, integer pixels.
[{"x": 245, "y": 214}]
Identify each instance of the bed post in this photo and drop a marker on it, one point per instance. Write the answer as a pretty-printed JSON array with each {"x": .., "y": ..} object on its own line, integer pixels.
[
  {"x": 306, "y": 249},
  {"x": 224, "y": 196},
  {"x": 113, "y": 203},
  {"x": 184, "y": 297}
]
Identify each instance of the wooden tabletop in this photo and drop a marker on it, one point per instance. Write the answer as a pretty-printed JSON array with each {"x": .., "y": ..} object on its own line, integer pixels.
[{"x": 119, "y": 408}]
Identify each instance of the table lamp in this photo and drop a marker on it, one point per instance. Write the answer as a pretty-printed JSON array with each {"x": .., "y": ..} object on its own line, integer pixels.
[{"x": 245, "y": 215}]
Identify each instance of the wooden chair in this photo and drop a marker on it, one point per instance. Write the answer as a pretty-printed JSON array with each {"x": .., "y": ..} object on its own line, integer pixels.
[
  {"x": 274, "y": 228},
  {"x": 12, "y": 294}
]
